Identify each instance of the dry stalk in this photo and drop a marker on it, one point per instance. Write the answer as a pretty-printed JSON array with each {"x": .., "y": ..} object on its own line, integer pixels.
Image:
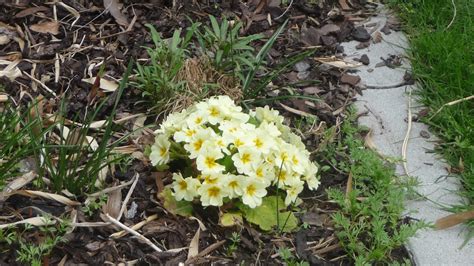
[
  {"x": 407, "y": 136},
  {"x": 450, "y": 104},
  {"x": 133, "y": 232}
]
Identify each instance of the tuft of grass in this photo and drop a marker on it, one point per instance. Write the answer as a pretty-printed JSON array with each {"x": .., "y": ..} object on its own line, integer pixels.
[
  {"x": 443, "y": 63},
  {"x": 368, "y": 224}
]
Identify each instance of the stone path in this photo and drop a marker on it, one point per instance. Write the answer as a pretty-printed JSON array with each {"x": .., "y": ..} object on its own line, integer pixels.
[{"x": 387, "y": 117}]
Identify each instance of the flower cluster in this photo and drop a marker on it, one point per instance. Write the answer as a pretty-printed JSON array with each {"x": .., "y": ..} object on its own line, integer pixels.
[{"x": 233, "y": 154}]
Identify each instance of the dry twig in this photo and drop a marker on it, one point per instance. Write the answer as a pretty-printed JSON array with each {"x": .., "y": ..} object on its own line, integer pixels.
[
  {"x": 450, "y": 104},
  {"x": 133, "y": 232},
  {"x": 407, "y": 136}
]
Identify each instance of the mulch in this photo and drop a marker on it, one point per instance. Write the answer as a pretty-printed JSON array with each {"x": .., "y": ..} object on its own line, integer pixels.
[{"x": 58, "y": 45}]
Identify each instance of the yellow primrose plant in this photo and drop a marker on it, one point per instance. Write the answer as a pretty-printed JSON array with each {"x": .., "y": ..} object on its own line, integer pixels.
[{"x": 228, "y": 155}]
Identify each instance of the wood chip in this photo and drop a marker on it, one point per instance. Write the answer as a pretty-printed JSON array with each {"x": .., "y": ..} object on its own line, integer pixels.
[
  {"x": 113, "y": 6},
  {"x": 350, "y": 79},
  {"x": 30, "y": 11},
  {"x": 46, "y": 27}
]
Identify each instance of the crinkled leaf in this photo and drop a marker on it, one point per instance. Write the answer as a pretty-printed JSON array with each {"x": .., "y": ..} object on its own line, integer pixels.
[
  {"x": 266, "y": 216},
  {"x": 183, "y": 208},
  {"x": 230, "y": 219}
]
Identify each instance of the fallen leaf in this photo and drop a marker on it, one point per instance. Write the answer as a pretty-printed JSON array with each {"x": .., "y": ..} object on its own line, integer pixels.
[
  {"x": 35, "y": 221},
  {"x": 20, "y": 182},
  {"x": 194, "y": 244},
  {"x": 30, "y": 11},
  {"x": 339, "y": 63},
  {"x": 453, "y": 219},
  {"x": 113, "y": 6},
  {"x": 349, "y": 185},
  {"x": 114, "y": 203},
  {"x": 295, "y": 111},
  {"x": 55, "y": 197},
  {"x": 377, "y": 37},
  {"x": 106, "y": 85},
  {"x": 46, "y": 27},
  {"x": 230, "y": 219},
  {"x": 11, "y": 71},
  {"x": 344, "y": 5}
]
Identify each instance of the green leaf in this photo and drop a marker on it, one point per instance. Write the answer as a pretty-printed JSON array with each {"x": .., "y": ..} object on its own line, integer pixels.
[
  {"x": 230, "y": 219},
  {"x": 183, "y": 208},
  {"x": 268, "y": 215}
]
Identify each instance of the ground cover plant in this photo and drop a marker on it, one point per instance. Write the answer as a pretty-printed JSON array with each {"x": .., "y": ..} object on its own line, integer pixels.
[
  {"x": 77, "y": 77},
  {"x": 441, "y": 37}
]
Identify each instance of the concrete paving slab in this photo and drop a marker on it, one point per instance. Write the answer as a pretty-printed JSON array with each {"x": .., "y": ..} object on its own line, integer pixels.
[{"x": 387, "y": 117}]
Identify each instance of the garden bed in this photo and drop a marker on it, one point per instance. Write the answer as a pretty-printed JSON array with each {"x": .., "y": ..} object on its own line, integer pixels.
[{"x": 67, "y": 64}]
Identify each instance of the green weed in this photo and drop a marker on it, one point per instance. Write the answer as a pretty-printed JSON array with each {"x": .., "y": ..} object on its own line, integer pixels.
[{"x": 368, "y": 224}]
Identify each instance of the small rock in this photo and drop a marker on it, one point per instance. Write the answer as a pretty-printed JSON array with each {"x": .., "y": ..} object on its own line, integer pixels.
[
  {"x": 328, "y": 40},
  {"x": 370, "y": 70},
  {"x": 350, "y": 79},
  {"x": 377, "y": 37},
  {"x": 360, "y": 34},
  {"x": 364, "y": 59},
  {"x": 302, "y": 75},
  {"x": 380, "y": 64},
  {"x": 362, "y": 45},
  {"x": 425, "y": 134},
  {"x": 301, "y": 66},
  {"x": 329, "y": 28},
  {"x": 386, "y": 29}
]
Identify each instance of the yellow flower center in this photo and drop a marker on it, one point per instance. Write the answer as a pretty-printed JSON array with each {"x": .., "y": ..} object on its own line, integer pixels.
[
  {"x": 258, "y": 143},
  {"x": 295, "y": 160},
  {"x": 190, "y": 132},
  {"x": 183, "y": 185},
  {"x": 238, "y": 143},
  {"x": 210, "y": 162},
  {"x": 282, "y": 176},
  {"x": 198, "y": 120},
  {"x": 213, "y": 192},
  {"x": 163, "y": 151},
  {"x": 284, "y": 156},
  {"x": 246, "y": 158},
  {"x": 251, "y": 190},
  {"x": 198, "y": 144},
  {"x": 233, "y": 184},
  {"x": 259, "y": 172},
  {"x": 213, "y": 111}
]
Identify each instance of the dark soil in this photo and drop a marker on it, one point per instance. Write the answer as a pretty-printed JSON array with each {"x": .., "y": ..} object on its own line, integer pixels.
[{"x": 96, "y": 36}]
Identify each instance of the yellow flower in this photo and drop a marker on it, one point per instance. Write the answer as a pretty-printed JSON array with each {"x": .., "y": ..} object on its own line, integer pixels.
[
  {"x": 207, "y": 160},
  {"x": 246, "y": 159},
  {"x": 185, "y": 134},
  {"x": 252, "y": 193},
  {"x": 185, "y": 188},
  {"x": 196, "y": 142},
  {"x": 160, "y": 150},
  {"x": 310, "y": 176},
  {"x": 212, "y": 194},
  {"x": 293, "y": 191}
]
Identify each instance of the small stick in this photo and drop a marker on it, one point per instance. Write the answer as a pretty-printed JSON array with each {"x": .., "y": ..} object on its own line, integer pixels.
[
  {"x": 127, "y": 198},
  {"x": 407, "y": 136},
  {"x": 454, "y": 15},
  {"x": 133, "y": 232},
  {"x": 452, "y": 103}
]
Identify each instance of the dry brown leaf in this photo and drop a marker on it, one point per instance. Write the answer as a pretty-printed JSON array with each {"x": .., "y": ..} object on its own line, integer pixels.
[
  {"x": 19, "y": 182},
  {"x": 295, "y": 111},
  {"x": 113, "y": 6},
  {"x": 344, "y": 5},
  {"x": 194, "y": 245},
  {"x": 377, "y": 37},
  {"x": 106, "y": 85},
  {"x": 46, "y": 27},
  {"x": 349, "y": 185},
  {"x": 114, "y": 202},
  {"x": 453, "y": 219},
  {"x": 30, "y": 11},
  {"x": 55, "y": 197},
  {"x": 35, "y": 221},
  {"x": 11, "y": 71},
  {"x": 339, "y": 63}
]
